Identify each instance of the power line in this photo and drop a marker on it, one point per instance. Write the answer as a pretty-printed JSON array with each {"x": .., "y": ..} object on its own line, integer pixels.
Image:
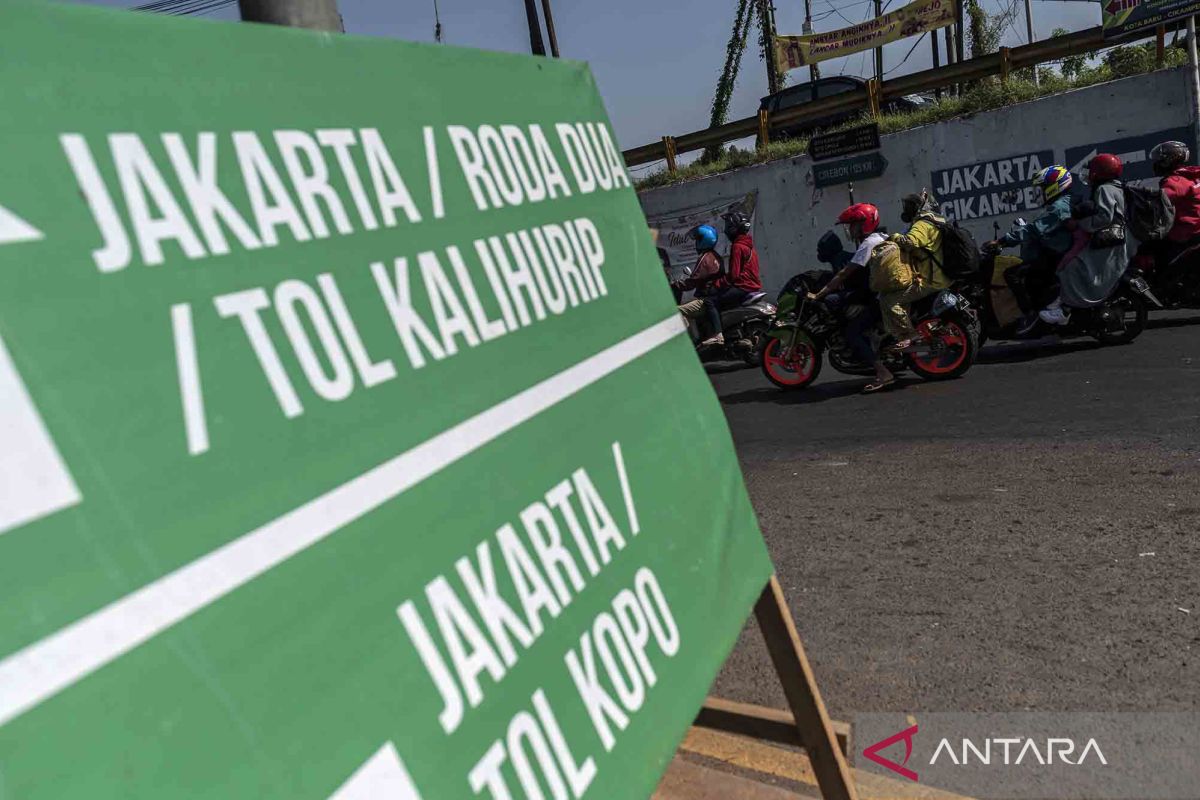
[{"x": 910, "y": 52}]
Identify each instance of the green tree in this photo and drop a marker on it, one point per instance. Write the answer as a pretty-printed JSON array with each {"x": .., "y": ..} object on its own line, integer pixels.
[
  {"x": 1071, "y": 66},
  {"x": 729, "y": 73},
  {"x": 983, "y": 29}
]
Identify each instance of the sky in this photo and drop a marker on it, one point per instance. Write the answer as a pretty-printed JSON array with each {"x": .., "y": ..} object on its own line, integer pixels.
[{"x": 657, "y": 61}]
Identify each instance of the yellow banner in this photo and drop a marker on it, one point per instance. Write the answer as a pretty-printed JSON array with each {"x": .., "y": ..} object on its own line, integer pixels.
[{"x": 916, "y": 17}]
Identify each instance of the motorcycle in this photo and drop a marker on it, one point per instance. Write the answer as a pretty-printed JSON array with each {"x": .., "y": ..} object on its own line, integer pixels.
[
  {"x": 1120, "y": 319},
  {"x": 807, "y": 332},
  {"x": 1176, "y": 283},
  {"x": 744, "y": 327}
]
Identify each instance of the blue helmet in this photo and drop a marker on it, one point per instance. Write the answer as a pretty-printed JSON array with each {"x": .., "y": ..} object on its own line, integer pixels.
[{"x": 706, "y": 237}]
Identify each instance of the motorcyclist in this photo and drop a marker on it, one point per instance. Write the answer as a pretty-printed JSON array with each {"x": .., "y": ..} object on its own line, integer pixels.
[
  {"x": 922, "y": 243},
  {"x": 1181, "y": 184},
  {"x": 850, "y": 285},
  {"x": 707, "y": 271},
  {"x": 739, "y": 281},
  {"x": 1094, "y": 267},
  {"x": 1043, "y": 242}
]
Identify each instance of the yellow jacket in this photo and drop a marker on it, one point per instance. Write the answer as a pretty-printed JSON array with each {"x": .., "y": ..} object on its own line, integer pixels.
[{"x": 922, "y": 244}]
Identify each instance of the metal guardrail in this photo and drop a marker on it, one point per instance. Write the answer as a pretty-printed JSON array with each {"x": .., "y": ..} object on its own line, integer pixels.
[{"x": 1000, "y": 63}]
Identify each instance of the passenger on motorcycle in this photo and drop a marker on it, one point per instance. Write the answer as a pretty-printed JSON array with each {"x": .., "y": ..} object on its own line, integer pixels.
[
  {"x": 1043, "y": 242},
  {"x": 922, "y": 243},
  {"x": 1094, "y": 268},
  {"x": 1181, "y": 184},
  {"x": 707, "y": 271},
  {"x": 849, "y": 287}
]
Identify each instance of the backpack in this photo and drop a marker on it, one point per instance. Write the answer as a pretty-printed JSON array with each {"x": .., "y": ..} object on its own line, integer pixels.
[
  {"x": 890, "y": 269},
  {"x": 1148, "y": 213},
  {"x": 960, "y": 254}
]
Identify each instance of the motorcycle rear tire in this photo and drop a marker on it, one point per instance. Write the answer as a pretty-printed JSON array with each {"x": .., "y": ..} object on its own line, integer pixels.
[
  {"x": 971, "y": 333},
  {"x": 1134, "y": 328}
]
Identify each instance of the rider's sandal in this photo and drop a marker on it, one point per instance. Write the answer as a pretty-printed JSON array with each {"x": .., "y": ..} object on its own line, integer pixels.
[{"x": 878, "y": 386}]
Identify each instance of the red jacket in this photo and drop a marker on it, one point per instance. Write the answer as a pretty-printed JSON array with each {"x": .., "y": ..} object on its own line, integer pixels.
[
  {"x": 743, "y": 266},
  {"x": 1180, "y": 186}
]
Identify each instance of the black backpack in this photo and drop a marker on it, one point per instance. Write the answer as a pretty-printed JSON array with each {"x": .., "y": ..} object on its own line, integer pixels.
[
  {"x": 960, "y": 255},
  {"x": 1148, "y": 213}
]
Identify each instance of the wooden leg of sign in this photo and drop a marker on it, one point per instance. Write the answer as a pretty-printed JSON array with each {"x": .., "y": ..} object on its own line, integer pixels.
[
  {"x": 800, "y": 688},
  {"x": 1005, "y": 64},
  {"x": 764, "y": 129},
  {"x": 669, "y": 147},
  {"x": 1160, "y": 46}
]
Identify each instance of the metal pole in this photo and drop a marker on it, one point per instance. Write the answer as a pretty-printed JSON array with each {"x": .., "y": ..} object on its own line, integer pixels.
[
  {"x": 959, "y": 37},
  {"x": 814, "y": 71},
  {"x": 879, "y": 50},
  {"x": 550, "y": 27},
  {"x": 950, "y": 51},
  {"x": 317, "y": 15},
  {"x": 767, "y": 22},
  {"x": 1029, "y": 30},
  {"x": 535, "y": 29},
  {"x": 937, "y": 60}
]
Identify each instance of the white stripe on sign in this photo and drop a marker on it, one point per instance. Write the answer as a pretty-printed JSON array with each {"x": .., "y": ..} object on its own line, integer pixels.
[
  {"x": 382, "y": 777},
  {"x": 34, "y": 481},
  {"x": 45, "y": 668}
]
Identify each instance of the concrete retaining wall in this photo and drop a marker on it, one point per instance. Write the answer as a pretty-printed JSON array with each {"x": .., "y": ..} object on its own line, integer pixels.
[{"x": 977, "y": 166}]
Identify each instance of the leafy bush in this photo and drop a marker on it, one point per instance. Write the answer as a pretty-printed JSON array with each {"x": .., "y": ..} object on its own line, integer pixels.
[{"x": 1119, "y": 62}]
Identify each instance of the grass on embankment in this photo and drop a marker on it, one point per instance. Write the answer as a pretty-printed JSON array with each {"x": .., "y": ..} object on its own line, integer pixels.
[{"x": 986, "y": 95}]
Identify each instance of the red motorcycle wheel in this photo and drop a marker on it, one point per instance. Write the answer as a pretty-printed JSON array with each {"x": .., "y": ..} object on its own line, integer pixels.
[
  {"x": 791, "y": 370},
  {"x": 955, "y": 353}
]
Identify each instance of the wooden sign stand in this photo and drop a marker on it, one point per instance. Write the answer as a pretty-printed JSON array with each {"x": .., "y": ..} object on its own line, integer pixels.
[{"x": 808, "y": 725}]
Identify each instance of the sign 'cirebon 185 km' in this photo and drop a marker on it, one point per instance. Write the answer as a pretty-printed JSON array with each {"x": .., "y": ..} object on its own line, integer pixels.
[{"x": 351, "y": 447}]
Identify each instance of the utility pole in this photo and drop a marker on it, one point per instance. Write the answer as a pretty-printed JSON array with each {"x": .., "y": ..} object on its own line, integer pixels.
[
  {"x": 766, "y": 18},
  {"x": 814, "y": 71},
  {"x": 535, "y": 29},
  {"x": 879, "y": 50},
  {"x": 937, "y": 60},
  {"x": 550, "y": 27},
  {"x": 960, "y": 34},
  {"x": 1029, "y": 30},
  {"x": 950, "y": 51},
  {"x": 317, "y": 15}
]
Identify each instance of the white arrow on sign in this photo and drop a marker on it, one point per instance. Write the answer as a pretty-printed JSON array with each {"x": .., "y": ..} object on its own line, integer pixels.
[
  {"x": 382, "y": 777},
  {"x": 34, "y": 481},
  {"x": 1132, "y": 157},
  {"x": 14, "y": 229}
]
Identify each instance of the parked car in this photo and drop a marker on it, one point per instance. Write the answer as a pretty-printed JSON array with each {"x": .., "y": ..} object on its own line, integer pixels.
[{"x": 803, "y": 93}]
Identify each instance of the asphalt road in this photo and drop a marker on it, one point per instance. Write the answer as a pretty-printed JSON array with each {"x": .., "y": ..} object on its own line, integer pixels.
[{"x": 1027, "y": 537}]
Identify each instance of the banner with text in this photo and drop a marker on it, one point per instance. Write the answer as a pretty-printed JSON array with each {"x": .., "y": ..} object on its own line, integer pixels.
[
  {"x": 672, "y": 239},
  {"x": 1124, "y": 17},
  {"x": 335, "y": 459},
  {"x": 915, "y": 18}
]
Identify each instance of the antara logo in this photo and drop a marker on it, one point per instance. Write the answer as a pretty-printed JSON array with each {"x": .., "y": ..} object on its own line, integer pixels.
[
  {"x": 872, "y": 752},
  {"x": 1012, "y": 751}
]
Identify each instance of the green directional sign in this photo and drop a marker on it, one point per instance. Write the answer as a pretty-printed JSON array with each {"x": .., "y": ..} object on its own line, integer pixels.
[
  {"x": 351, "y": 444},
  {"x": 845, "y": 170}
]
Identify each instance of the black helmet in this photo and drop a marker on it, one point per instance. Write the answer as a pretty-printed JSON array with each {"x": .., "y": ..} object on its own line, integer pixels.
[
  {"x": 828, "y": 247},
  {"x": 1168, "y": 157},
  {"x": 736, "y": 223}
]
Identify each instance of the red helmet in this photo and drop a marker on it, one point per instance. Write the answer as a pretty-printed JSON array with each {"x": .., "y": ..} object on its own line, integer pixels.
[
  {"x": 864, "y": 213},
  {"x": 1103, "y": 168}
]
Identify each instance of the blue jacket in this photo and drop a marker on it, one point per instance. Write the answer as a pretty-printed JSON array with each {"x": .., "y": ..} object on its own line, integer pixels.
[{"x": 1045, "y": 236}]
